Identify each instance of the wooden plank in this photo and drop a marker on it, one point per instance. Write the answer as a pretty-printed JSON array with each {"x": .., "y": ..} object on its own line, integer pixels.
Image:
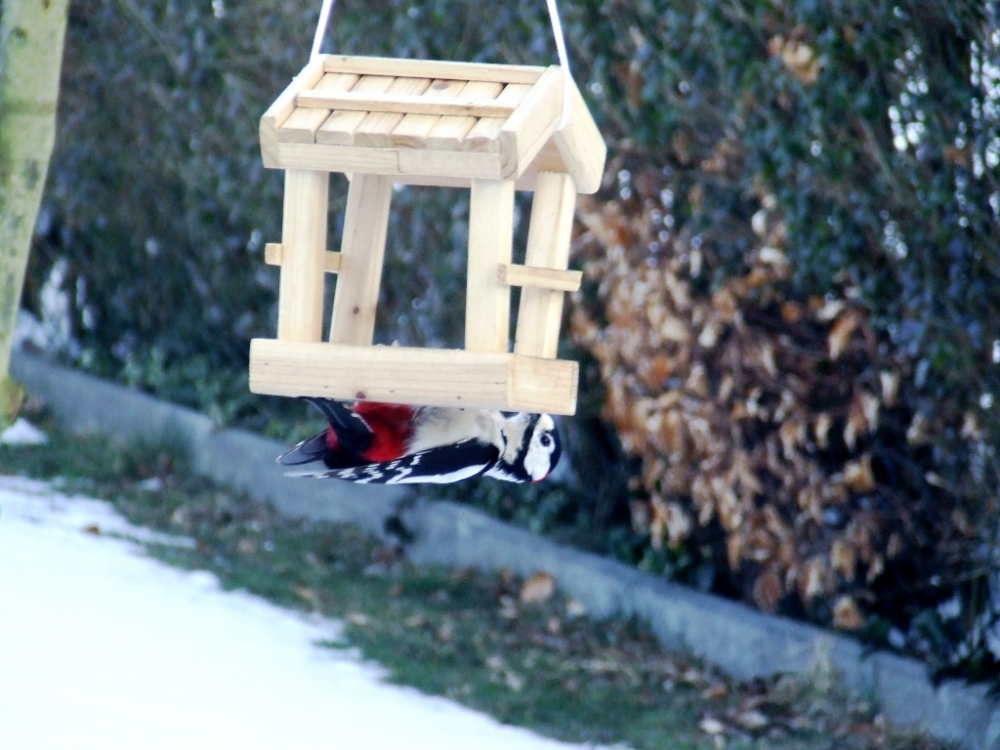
[
  {"x": 302, "y": 124},
  {"x": 555, "y": 279},
  {"x": 282, "y": 107},
  {"x": 413, "y": 128},
  {"x": 526, "y": 131},
  {"x": 362, "y": 251},
  {"x": 487, "y": 302},
  {"x": 543, "y": 386},
  {"x": 405, "y": 104},
  {"x": 524, "y": 183},
  {"x": 432, "y": 377},
  {"x": 274, "y": 252},
  {"x": 426, "y": 164},
  {"x": 375, "y": 130},
  {"x": 549, "y": 233},
  {"x": 470, "y": 165},
  {"x": 449, "y": 133},
  {"x": 303, "y": 240},
  {"x": 339, "y": 127},
  {"x": 462, "y": 71},
  {"x": 336, "y": 158},
  {"x": 488, "y": 128},
  {"x": 577, "y": 149}
]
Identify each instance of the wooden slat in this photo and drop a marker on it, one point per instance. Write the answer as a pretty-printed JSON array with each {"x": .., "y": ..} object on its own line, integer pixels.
[
  {"x": 353, "y": 100},
  {"x": 339, "y": 127},
  {"x": 555, "y": 279},
  {"x": 302, "y": 124},
  {"x": 433, "y": 377},
  {"x": 336, "y": 158},
  {"x": 577, "y": 149},
  {"x": 362, "y": 251},
  {"x": 549, "y": 233},
  {"x": 432, "y": 69},
  {"x": 303, "y": 239},
  {"x": 488, "y": 128},
  {"x": 273, "y": 253},
  {"x": 413, "y": 128},
  {"x": 376, "y": 128},
  {"x": 449, "y": 133},
  {"x": 543, "y": 386},
  {"x": 487, "y": 302},
  {"x": 282, "y": 107},
  {"x": 525, "y": 132}
]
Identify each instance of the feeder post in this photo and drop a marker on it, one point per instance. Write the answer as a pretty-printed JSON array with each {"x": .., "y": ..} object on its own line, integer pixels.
[
  {"x": 303, "y": 240},
  {"x": 362, "y": 251},
  {"x": 491, "y": 238},
  {"x": 549, "y": 233}
]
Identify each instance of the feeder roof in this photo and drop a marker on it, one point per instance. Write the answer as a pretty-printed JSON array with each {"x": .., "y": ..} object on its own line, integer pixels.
[{"x": 433, "y": 123}]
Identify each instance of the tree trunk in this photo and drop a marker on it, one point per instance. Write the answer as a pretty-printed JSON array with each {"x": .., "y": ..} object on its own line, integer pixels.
[{"x": 31, "y": 47}]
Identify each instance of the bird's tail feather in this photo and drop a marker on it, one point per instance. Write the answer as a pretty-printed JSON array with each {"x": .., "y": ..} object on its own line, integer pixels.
[{"x": 311, "y": 449}]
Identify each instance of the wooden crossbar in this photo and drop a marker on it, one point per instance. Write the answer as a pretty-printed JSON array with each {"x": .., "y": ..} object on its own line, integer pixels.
[
  {"x": 463, "y": 71},
  {"x": 404, "y": 375},
  {"x": 273, "y": 253},
  {"x": 556, "y": 279},
  {"x": 404, "y": 103}
]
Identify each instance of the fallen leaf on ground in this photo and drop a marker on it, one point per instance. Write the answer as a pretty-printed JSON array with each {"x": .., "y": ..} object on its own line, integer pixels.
[
  {"x": 538, "y": 588},
  {"x": 358, "y": 618}
]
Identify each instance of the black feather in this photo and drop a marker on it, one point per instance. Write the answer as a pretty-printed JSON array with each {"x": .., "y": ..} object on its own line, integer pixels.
[
  {"x": 442, "y": 465},
  {"x": 309, "y": 450}
]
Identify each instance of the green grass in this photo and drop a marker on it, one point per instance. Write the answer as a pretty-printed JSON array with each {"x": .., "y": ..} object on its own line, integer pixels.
[{"x": 460, "y": 634}]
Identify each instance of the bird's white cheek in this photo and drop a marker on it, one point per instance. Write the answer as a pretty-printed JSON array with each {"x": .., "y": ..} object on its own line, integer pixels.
[{"x": 538, "y": 463}]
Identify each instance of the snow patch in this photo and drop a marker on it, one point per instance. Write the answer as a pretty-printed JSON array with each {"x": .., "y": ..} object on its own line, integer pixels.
[
  {"x": 22, "y": 432},
  {"x": 103, "y": 647}
]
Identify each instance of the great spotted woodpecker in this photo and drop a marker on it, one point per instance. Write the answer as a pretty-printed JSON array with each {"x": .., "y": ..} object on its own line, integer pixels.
[{"x": 376, "y": 443}]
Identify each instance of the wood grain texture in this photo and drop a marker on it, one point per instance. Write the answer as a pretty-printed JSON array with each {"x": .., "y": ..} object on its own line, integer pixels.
[
  {"x": 302, "y": 124},
  {"x": 339, "y": 127},
  {"x": 550, "y": 230},
  {"x": 274, "y": 252},
  {"x": 433, "y": 377},
  {"x": 540, "y": 278},
  {"x": 487, "y": 301},
  {"x": 362, "y": 252},
  {"x": 303, "y": 240},
  {"x": 282, "y": 107},
  {"x": 462, "y": 71},
  {"x": 404, "y": 103}
]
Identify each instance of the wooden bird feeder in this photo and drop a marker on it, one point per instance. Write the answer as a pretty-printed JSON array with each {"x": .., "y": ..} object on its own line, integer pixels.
[{"x": 489, "y": 128}]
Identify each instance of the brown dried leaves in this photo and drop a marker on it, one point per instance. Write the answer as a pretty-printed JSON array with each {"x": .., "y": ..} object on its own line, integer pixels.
[{"x": 748, "y": 410}]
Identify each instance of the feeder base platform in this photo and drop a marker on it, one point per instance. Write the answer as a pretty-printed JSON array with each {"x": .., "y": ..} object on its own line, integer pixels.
[{"x": 405, "y": 375}]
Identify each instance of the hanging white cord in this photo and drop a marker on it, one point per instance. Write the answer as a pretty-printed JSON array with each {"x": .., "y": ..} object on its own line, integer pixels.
[
  {"x": 557, "y": 32},
  {"x": 324, "y": 19}
]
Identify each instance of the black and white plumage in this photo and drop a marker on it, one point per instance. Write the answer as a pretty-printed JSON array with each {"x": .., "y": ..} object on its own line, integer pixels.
[{"x": 375, "y": 443}]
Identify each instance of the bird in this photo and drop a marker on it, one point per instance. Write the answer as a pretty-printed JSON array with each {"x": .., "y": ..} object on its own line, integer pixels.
[{"x": 370, "y": 442}]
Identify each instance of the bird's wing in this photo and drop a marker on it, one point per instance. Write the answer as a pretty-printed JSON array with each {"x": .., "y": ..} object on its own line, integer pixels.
[
  {"x": 354, "y": 434},
  {"x": 442, "y": 465}
]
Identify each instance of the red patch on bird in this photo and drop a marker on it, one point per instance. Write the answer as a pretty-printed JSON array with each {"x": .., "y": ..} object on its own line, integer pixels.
[
  {"x": 391, "y": 425},
  {"x": 332, "y": 442}
]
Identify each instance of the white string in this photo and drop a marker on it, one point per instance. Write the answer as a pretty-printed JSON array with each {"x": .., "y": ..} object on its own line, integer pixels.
[
  {"x": 557, "y": 32},
  {"x": 324, "y": 19}
]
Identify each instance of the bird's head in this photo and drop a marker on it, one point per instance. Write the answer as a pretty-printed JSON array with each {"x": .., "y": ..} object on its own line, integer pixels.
[{"x": 532, "y": 448}]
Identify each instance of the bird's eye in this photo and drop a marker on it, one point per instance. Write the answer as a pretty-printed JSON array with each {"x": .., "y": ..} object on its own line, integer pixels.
[{"x": 546, "y": 441}]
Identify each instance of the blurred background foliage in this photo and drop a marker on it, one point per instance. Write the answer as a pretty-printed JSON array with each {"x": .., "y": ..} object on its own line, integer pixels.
[{"x": 789, "y": 325}]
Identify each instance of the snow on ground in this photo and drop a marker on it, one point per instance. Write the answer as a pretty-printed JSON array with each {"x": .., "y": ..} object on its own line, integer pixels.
[
  {"x": 22, "y": 432},
  {"x": 103, "y": 647}
]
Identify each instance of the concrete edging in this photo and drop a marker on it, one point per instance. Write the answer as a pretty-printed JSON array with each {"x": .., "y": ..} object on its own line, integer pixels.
[{"x": 741, "y": 641}]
